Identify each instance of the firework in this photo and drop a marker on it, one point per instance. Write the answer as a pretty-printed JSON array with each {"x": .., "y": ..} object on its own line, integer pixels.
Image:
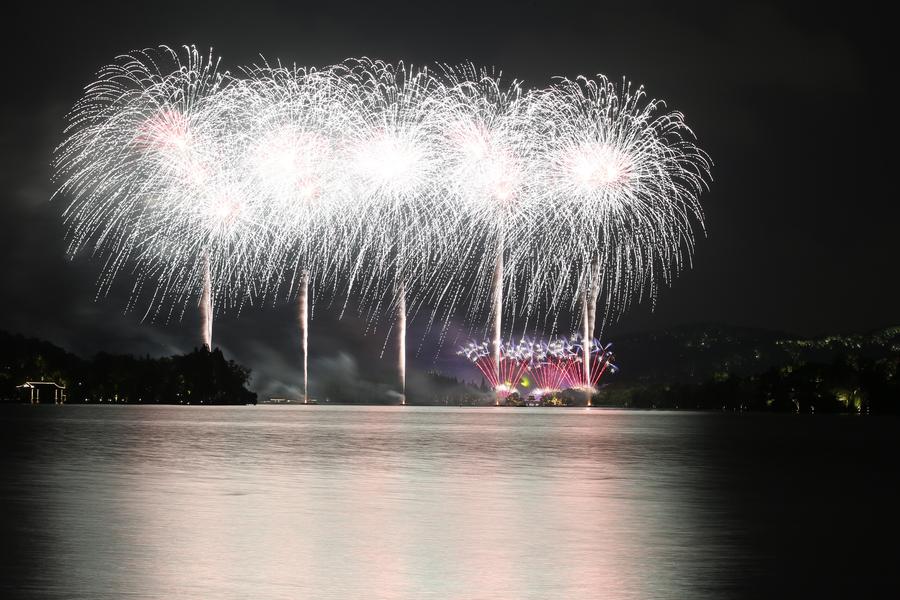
[
  {"x": 504, "y": 375},
  {"x": 292, "y": 121},
  {"x": 621, "y": 178},
  {"x": 395, "y": 161},
  {"x": 136, "y": 166},
  {"x": 487, "y": 142},
  {"x": 553, "y": 366},
  {"x": 417, "y": 192}
]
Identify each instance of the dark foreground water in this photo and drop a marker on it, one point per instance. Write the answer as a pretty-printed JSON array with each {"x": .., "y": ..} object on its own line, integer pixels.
[{"x": 343, "y": 502}]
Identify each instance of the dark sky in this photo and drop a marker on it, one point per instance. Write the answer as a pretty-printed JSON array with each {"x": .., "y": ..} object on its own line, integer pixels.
[{"x": 790, "y": 102}]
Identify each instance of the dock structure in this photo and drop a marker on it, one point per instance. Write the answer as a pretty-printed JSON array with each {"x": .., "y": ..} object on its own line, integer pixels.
[{"x": 35, "y": 392}]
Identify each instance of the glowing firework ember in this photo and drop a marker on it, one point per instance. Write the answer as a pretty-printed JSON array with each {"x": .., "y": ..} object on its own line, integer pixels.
[{"x": 412, "y": 190}]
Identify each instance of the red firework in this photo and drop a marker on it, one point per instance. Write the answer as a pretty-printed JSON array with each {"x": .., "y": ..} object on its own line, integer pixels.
[
  {"x": 514, "y": 362},
  {"x": 555, "y": 366}
]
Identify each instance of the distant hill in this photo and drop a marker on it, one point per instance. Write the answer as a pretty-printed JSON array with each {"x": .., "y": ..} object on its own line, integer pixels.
[
  {"x": 696, "y": 353},
  {"x": 740, "y": 369}
]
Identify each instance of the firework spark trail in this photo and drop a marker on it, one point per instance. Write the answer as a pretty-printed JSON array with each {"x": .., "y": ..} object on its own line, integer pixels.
[
  {"x": 460, "y": 189},
  {"x": 547, "y": 368},
  {"x": 586, "y": 344},
  {"x": 593, "y": 295},
  {"x": 601, "y": 363},
  {"x": 496, "y": 341},
  {"x": 304, "y": 328},
  {"x": 548, "y": 377},
  {"x": 504, "y": 374},
  {"x": 401, "y": 339},
  {"x": 206, "y": 308}
]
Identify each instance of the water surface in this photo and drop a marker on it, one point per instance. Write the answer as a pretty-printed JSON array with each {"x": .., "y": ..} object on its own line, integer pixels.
[{"x": 389, "y": 502}]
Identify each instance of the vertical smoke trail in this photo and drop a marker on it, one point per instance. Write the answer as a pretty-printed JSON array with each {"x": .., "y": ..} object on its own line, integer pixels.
[
  {"x": 589, "y": 303},
  {"x": 594, "y": 295},
  {"x": 586, "y": 344},
  {"x": 401, "y": 338},
  {"x": 206, "y": 311},
  {"x": 498, "y": 313},
  {"x": 304, "y": 330}
]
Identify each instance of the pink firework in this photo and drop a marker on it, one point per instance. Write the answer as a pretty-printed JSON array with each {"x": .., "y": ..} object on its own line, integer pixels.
[{"x": 503, "y": 376}]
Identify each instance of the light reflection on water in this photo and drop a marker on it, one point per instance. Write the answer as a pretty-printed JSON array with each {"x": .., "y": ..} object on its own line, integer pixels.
[{"x": 402, "y": 502}]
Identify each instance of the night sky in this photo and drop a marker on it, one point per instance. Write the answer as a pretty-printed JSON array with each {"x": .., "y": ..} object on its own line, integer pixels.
[{"x": 790, "y": 103}]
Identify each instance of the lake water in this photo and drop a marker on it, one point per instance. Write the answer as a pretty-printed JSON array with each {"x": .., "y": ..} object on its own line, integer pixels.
[{"x": 102, "y": 502}]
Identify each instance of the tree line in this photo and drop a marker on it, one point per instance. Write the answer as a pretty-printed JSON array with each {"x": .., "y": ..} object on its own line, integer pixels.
[{"x": 198, "y": 377}]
